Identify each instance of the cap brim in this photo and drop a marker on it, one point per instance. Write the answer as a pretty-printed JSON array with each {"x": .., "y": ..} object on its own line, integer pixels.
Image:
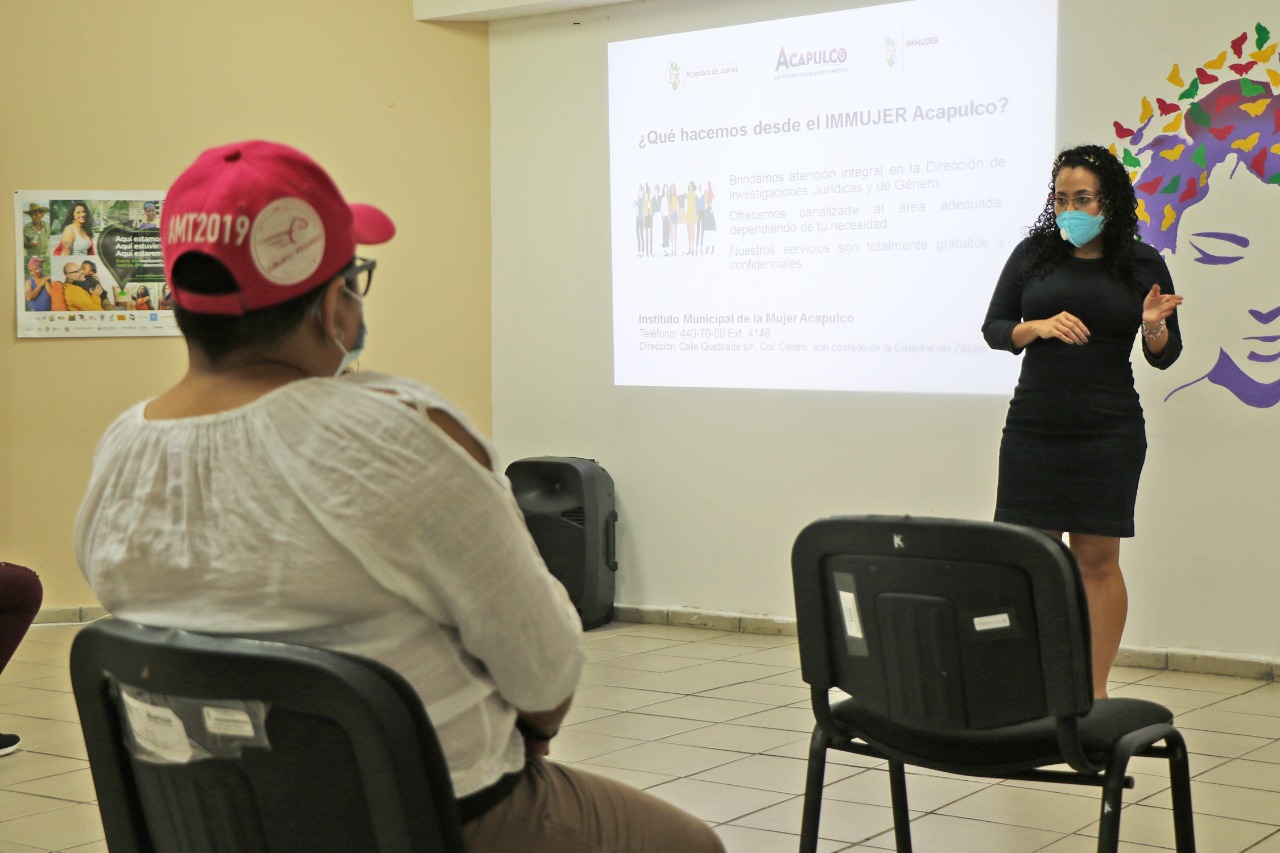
[{"x": 372, "y": 226}]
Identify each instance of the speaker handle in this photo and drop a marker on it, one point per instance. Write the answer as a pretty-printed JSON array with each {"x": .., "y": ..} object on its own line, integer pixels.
[{"x": 611, "y": 541}]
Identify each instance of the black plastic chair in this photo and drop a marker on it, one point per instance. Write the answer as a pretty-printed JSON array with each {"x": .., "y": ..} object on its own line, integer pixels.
[
  {"x": 203, "y": 744},
  {"x": 964, "y": 647}
]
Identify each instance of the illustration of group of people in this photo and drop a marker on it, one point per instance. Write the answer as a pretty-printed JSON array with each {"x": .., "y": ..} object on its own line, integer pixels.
[
  {"x": 671, "y": 206},
  {"x": 77, "y": 284}
]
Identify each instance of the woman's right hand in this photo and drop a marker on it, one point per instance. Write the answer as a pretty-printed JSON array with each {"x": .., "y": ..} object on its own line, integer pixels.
[{"x": 1065, "y": 327}]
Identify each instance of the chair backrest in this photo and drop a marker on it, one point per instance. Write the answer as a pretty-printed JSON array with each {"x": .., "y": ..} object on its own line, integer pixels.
[
  {"x": 203, "y": 744},
  {"x": 943, "y": 624}
]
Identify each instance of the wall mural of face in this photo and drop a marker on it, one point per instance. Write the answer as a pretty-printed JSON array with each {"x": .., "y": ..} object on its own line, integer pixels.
[
  {"x": 1205, "y": 158},
  {"x": 1239, "y": 310}
]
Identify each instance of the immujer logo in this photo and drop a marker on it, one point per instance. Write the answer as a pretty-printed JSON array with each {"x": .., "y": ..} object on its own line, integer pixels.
[{"x": 830, "y": 56}]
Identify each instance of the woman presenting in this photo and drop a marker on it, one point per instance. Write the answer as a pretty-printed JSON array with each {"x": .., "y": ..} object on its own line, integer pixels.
[{"x": 1073, "y": 295}]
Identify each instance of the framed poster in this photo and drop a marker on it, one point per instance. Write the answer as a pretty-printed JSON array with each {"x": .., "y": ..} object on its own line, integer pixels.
[{"x": 89, "y": 264}]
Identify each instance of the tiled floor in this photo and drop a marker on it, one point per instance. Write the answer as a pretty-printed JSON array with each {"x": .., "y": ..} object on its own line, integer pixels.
[{"x": 718, "y": 723}]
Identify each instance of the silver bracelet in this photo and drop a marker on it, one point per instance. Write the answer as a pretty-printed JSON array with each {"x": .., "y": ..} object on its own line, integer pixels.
[{"x": 1151, "y": 336}]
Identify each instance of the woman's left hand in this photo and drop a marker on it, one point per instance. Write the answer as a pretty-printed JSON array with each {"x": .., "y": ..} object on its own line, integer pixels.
[{"x": 1158, "y": 306}]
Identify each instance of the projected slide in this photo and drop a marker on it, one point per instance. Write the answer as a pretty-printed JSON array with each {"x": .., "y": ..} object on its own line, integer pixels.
[{"x": 826, "y": 202}]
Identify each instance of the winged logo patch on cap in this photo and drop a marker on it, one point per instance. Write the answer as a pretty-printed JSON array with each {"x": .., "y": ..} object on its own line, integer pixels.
[{"x": 287, "y": 241}]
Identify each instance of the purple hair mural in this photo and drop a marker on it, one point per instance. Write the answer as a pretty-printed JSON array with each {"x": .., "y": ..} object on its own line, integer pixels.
[{"x": 1227, "y": 111}]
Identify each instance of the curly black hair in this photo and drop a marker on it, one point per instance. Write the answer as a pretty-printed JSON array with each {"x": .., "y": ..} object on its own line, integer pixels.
[
  {"x": 70, "y": 218},
  {"x": 1119, "y": 205}
]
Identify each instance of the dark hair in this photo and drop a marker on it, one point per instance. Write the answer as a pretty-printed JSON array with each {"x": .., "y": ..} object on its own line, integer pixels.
[
  {"x": 1119, "y": 205},
  {"x": 217, "y": 335},
  {"x": 88, "y": 217}
]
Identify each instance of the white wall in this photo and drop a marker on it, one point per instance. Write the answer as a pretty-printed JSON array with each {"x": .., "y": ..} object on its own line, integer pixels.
[{"x": 713, "y": 485}]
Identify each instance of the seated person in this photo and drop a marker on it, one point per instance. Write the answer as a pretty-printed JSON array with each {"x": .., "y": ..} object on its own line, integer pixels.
[
  {"x": 20, "y": 596},
  {"x": 271, "y": 494}
]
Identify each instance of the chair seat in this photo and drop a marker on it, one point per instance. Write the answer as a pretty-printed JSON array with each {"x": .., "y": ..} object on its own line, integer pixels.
[{"x": 1005, "y": 749}]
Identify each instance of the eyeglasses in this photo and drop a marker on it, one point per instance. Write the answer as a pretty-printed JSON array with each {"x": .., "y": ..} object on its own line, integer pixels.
[
  {"x": 1080, "y": 202},
  {"x": 359, "y": 275}
]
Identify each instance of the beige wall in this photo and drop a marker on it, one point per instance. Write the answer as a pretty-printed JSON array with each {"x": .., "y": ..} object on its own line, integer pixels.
[{"x": 125, "y": 96}]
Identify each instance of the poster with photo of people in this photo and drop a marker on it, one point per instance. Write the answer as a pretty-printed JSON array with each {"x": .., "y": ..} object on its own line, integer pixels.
[{"x": 89, "y": 264}]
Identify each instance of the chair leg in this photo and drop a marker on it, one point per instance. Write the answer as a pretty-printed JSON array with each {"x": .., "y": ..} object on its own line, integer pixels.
[
  {"x": 898, "y": 796},
  {"x": 1180, "y": 781},
  {"x": 1113, "y": 785},
  {"x": 813, "y": 791},
  {"x": 1140, "y": 742},
  {"x": 1109, "y": 822}
]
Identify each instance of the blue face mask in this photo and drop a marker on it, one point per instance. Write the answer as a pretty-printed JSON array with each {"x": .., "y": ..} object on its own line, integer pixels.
[
  {"x": 351, "y": 356},
  {"x": 1079, "y": 228}
]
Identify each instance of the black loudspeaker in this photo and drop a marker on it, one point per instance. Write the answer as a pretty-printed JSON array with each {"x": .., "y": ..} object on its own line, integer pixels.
[{"x": 568, "y": 505}]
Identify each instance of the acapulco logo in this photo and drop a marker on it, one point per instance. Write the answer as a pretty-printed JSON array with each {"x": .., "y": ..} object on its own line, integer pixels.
[
  {"x": 802, "y": 59},
  {"x": 287, "y": 241}
]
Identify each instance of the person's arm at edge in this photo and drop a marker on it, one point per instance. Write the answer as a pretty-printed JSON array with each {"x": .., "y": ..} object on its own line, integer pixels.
[{"x": 537, "y": 727}]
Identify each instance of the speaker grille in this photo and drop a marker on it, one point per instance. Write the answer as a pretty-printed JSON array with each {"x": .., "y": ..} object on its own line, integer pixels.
[{"x": 577, "y": 515}]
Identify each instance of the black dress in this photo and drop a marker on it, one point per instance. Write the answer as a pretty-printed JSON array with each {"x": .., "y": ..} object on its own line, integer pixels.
[{"x": 1074, "y": 439}]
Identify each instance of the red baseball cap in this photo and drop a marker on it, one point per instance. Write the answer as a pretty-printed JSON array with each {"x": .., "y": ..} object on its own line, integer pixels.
[{"x": 272, "y": 216}]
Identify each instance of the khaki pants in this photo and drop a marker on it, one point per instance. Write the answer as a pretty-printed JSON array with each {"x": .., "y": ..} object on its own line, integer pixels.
[{"x": 560, "y": 809}]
